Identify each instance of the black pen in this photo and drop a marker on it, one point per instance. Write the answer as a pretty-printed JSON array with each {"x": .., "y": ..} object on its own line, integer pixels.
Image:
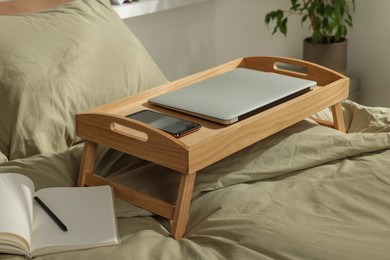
[{"x": 51, "y": 214}]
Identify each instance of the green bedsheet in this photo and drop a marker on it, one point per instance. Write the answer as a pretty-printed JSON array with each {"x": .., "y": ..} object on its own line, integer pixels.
[{"x": 307, "y": 192}]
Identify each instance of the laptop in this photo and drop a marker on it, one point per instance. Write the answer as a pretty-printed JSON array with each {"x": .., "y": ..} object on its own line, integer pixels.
[{"x": 234, "y": 95}]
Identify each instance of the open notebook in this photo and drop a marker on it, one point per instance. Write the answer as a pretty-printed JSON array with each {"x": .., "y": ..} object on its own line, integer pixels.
[
  {"x": 234, "y": 95},
  {"x": 26, "y": 229}
]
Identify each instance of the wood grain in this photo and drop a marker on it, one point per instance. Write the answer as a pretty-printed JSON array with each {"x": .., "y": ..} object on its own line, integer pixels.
[{"x": 108, "y": 125}]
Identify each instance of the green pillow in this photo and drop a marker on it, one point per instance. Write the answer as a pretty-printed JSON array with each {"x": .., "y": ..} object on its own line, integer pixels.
[{"x": 58, "y": 62}]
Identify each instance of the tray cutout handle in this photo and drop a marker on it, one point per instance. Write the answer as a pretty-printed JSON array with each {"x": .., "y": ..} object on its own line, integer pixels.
[
  {"x": 129, "y": 132},
  {"x": 292, "y": 68}
]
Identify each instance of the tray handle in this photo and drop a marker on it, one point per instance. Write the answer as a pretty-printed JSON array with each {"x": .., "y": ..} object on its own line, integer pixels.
[
  {"x": 129, "y": 132},
  {"x": 293, "y": 67},
  {"x": 134, "y": 138}
]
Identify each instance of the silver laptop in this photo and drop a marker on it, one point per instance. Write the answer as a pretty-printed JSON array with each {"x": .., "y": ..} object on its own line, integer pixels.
[{"x": 234, "y": 95}]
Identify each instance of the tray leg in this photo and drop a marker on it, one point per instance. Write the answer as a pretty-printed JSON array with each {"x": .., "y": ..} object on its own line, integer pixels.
[
  {"x": 87, "y": 161},
  {"x": 183, "y": 205},
  {"x": 338, "y": 117}
]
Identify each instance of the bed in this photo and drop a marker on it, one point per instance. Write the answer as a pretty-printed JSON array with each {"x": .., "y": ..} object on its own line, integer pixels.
[{"x": 307, "y": 192}]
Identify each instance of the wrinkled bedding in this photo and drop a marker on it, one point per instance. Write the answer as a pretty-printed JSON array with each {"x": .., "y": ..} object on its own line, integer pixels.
[{"x": 307, "y": 192}]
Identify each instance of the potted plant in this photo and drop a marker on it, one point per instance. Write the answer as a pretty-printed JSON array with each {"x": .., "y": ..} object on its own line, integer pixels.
[{"x": 329, "y": 21}]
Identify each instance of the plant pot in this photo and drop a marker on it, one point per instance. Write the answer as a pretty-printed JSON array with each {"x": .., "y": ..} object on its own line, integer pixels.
[{"x": 330, "y": 55}]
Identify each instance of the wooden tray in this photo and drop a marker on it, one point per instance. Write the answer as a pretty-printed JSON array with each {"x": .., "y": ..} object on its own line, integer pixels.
[{"x": 107, "y": 125}]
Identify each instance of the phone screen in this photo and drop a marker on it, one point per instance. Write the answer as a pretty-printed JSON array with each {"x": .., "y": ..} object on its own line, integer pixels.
[{"x": 172, "y": 125}]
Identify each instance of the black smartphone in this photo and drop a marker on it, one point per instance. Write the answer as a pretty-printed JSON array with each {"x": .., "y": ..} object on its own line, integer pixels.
[{"x": 172, "y": 125}]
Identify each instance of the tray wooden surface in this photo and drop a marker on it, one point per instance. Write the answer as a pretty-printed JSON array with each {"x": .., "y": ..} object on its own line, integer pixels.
[{"x": 107, "y": 125}]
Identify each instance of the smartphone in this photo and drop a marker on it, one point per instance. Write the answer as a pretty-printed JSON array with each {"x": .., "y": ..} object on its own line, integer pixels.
[{"x": 172, "y": 125}]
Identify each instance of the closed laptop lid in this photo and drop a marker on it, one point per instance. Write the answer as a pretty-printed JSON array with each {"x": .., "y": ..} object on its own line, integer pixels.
[{"x": 230, "y": 96}]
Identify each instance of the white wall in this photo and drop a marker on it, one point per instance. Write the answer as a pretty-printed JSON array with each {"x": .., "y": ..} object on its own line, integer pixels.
[
  {"x": 369, "y": 51},
  {"x": 241, "y": 31},
  {"x": 193, "y": 38},
  {"x": 181, "y": 40}
]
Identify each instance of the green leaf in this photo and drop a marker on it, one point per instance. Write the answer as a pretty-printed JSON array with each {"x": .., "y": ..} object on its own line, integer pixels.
[
  {"x": 283, "y": 26},
  {"x": 304, "y": 18},
  {"x": 328, "y": 19},
  {"x": 267, "y": 18}
]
